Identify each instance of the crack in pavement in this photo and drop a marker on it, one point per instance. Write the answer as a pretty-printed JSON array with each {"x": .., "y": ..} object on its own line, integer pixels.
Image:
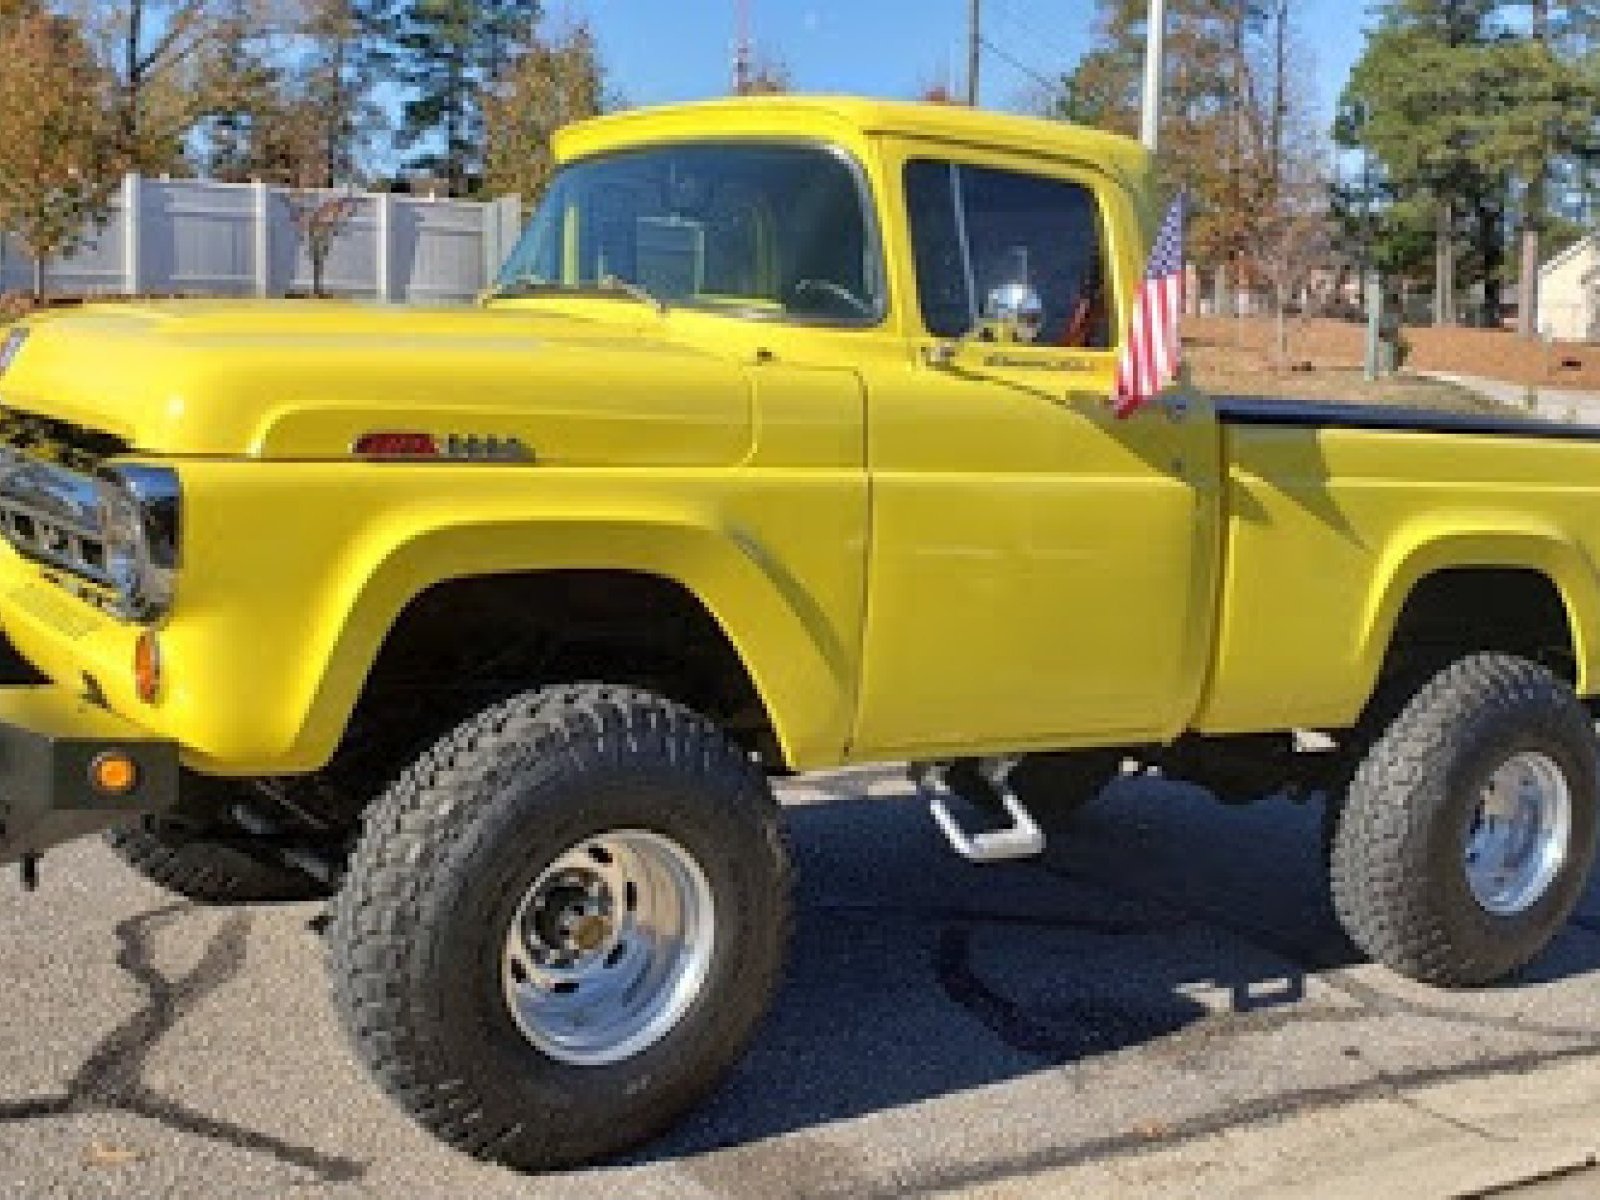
[
  {"x": 1397, "y": 1092},
  {"x": 111, "y": 1078}
]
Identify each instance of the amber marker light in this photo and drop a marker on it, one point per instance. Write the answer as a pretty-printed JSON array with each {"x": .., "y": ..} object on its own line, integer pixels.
[
  {"x": 113, "y": 773},
  {"x": 147, "y": 667}
]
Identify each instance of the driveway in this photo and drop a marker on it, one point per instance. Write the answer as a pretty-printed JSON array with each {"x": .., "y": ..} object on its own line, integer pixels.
[{"x": 1167, "y": 980}]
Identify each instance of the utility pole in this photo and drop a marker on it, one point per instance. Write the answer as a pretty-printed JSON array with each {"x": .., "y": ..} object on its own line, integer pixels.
[
  {"x": 1535, "y": 200},
  {"x": 1155, "y": 56},
  {"x": 974, "y": 50}
]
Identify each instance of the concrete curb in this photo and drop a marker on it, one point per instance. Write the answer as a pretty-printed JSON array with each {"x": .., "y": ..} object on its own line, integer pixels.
[{"x": 1492, "y": 1136}]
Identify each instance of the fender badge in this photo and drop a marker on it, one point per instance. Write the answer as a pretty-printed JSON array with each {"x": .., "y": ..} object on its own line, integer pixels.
[{"x": 486, "y": 449}]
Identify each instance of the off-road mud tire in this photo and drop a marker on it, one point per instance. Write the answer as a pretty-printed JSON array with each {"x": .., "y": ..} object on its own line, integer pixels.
[
  {"x": 1397, "y": 861},
  {"x": 419, "y": 930}
]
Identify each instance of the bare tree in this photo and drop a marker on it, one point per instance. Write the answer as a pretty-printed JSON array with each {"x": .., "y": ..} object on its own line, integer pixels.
[
  {"x": 1291, "y": 243},
  {"x": 319, "y": 218},
  {"x": 153, "y": 49},
  {"x": 1289, "y": 237}
]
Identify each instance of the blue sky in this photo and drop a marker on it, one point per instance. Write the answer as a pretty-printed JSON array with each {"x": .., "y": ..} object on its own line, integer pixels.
[{"x": 660, "y": 51}]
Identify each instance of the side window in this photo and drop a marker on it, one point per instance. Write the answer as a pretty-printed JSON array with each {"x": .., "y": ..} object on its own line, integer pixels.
[{"x": 976, "y": 229}]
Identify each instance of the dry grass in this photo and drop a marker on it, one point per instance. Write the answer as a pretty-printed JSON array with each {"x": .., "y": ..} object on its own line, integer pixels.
[{"x": 1234, "y": 357}]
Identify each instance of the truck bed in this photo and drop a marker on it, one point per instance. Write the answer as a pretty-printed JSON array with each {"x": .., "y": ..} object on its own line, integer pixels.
[{"x": 1334, "y": 514}]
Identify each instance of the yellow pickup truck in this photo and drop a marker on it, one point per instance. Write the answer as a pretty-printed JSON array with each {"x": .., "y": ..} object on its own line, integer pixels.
[{"x": 782, "y": 443}]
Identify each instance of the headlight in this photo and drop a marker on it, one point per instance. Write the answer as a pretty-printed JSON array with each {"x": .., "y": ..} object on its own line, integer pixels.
[{"x": 139, "y": 521}]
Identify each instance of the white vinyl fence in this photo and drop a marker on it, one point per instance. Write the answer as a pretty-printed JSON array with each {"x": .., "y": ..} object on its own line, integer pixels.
[{"x": 194, "y": 237}]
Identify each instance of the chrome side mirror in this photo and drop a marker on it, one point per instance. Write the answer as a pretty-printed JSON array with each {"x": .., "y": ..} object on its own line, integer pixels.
[{"x": 1013, "y": 313}]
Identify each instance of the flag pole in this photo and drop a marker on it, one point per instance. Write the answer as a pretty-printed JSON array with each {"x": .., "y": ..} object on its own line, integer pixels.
[{"x": 1155, "y": 54}]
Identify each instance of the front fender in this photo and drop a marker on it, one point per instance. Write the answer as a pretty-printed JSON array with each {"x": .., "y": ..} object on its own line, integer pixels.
[
  {"x": 279, "y": 620},
  {"x": 800, "y": 667}
]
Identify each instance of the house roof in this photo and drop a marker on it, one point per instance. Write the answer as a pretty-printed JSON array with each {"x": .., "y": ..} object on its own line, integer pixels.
[{"x": 1571, "y": 253}]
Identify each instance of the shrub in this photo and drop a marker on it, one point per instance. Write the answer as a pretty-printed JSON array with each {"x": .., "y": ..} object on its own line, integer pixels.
[{"x": 14, "y": 306}]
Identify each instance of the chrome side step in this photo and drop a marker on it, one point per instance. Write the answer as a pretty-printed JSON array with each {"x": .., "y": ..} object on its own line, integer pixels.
[{"x": 1021, "y": 839}]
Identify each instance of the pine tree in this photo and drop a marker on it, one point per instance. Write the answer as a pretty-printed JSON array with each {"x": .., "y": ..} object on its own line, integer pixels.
[
  {"x": 449, "y": 53},
  {"x": 1456, "y": 105},
  {"x": 1551, "y": 83},
  {"x": 1417, "y": 91}
]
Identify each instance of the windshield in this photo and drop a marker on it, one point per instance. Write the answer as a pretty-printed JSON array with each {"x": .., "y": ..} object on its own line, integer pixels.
[{"x": 767, "y": 230}]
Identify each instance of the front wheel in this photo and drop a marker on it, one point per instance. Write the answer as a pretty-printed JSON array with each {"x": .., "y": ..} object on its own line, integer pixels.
[
  {"x": 1468, "y": 832},
  {"x": 563, "y": 924}
]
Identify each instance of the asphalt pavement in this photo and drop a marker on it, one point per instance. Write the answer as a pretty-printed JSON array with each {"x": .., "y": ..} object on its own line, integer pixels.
[{"x": 1161, "y": 1005}]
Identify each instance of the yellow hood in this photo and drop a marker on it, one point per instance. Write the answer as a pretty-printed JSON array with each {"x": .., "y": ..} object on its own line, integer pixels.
[{"x": 306, "y": 379}]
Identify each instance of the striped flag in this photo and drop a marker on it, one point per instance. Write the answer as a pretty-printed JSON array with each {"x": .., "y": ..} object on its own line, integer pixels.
[{"x": 1151, "y": 350}]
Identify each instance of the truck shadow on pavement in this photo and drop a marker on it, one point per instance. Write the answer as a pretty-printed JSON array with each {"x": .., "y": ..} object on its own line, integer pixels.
[
  {"x": 111, "y": 1078},
  {"x": 1159, "y": 924}
]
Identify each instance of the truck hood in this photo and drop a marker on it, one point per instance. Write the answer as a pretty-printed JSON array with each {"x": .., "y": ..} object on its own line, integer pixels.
[{"x": 305, "y": 380}]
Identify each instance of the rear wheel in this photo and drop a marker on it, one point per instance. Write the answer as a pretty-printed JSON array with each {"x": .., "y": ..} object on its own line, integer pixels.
[
  {"x": 562, "y": 925},
  {"x": 1468, "y": 831}
]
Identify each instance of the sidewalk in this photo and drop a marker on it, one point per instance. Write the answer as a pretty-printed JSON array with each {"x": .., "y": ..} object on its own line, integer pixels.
[
  {"x": 1556, "y": 404},
  {"x": 1530, "y": 1136}
]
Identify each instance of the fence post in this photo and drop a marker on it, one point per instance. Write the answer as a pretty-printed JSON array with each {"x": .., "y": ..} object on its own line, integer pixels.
[
  {"x": 384, "y": 236},
  {"x": 261, "y": 234},
  {"x": 502, "y": 219},
  {"x": 490, "y": 242},
  {"x": 132, "y": 219}
]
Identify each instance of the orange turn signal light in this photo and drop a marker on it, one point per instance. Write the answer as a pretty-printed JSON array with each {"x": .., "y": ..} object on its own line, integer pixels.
[
  {"x": 114, "y": 773},
  {"x": 147, "y": 667}
]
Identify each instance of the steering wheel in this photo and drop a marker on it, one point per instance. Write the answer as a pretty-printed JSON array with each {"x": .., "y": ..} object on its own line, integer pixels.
[{"x": 827, "y": 289}]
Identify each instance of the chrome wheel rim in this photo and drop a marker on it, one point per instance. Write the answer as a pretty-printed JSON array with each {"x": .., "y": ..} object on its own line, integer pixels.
[
  {"x": 609, "y": 947},
  {"x": 1518, "y": 839}
]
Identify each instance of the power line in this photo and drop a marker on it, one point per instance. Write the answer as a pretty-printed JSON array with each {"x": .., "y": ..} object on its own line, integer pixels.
[
  {"x": 1007, "y": 11},
  {"x": 1016, "y": 64}
]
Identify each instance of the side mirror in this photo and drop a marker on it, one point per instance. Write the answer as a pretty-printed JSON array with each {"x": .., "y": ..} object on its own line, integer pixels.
[{"x": 1013, "y": 313}]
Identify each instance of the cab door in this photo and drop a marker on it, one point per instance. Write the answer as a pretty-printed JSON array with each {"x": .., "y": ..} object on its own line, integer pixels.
[{"x": 1040, "y": 572}]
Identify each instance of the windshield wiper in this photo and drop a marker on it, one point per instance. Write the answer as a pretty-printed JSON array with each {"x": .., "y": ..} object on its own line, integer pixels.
[{"x": 610, "y": 286}]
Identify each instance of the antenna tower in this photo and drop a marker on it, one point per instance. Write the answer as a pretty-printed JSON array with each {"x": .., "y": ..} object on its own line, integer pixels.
[{"x": 743, "y": 48}]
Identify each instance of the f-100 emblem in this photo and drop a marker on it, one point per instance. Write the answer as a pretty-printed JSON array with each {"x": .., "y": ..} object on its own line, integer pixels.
[{"x": 496, "y": 449}]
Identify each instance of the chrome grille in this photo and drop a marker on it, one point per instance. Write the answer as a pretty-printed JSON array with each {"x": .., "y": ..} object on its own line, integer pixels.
[{"x": 52, "y": 515}]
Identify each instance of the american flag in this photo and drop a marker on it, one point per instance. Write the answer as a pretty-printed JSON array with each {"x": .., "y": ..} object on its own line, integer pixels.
[{"x": 1151, "y": 350}]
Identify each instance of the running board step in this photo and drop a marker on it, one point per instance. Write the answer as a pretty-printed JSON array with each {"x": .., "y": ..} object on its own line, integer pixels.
[{"x": 1021, "y": 839}]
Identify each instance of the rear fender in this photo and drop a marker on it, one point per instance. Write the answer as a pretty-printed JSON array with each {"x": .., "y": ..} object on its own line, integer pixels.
[{"x": 1540, "y": 549}]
